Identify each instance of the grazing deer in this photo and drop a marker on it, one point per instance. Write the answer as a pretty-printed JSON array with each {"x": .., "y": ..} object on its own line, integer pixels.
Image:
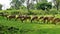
[
  {"x": 56, "y": 20},
  {"x": 35, "y": 18},
  {"x": 45, "y": 19},
  {"x": 41, "y": 18},
  {"x": 11, "y": 17},
  {"x": 48, "y": 19},
  {"x": 27, "y": 17},
  {"x": 21, "y": 17}
]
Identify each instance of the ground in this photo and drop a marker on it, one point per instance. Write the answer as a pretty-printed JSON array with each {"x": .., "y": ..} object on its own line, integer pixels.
[{"x": 31, "y": 28}]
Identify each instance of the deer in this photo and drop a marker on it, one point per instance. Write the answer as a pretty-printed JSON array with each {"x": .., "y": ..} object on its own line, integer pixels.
[
  {"x": 35, "y": 18},
  {"x": 11, "y": 17},
  {"x": 41, "y": 18},
  {"x": 27, "y": 17},
  {"x": 48, "y": 19},
  {"x": 23, "y": 17},
  {"x": 54, "y": 21}
]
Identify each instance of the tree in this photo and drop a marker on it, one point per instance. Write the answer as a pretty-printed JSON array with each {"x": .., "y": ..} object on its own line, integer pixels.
[
  {"x": 0, "y": 6},
  {"x": 32, "y": 4},
  {"x": 44, "y": 6},
  {"x": 17, "y": 3},
  {"x": 28, "y": 5},
  {"x": 38, "y": 1},
  {"x": 56, "y": 3}
]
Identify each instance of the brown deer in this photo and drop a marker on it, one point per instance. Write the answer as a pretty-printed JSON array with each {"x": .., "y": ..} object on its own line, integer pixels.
[
  {"x": 23, "y": 17},
  {"x": 54, "y": 21},
  {"x": 11, "y": 17},
  {"x": 27, "y": 17},
  {"x": 35, "y": 18},
  {"x": 48, "y": 19},
  {"x": 41, "y": 18}
]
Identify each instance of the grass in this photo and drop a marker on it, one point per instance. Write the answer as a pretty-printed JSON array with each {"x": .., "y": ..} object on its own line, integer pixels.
[{"x": 31, "y": 28}]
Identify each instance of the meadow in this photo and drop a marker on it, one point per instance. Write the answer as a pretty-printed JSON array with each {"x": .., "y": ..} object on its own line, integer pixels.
[
  {"x": 27, "y": 27},
  {"x": 30, "y": 17}
]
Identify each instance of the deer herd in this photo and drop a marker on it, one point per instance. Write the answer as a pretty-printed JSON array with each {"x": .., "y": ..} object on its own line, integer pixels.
[{"x": 45, "y": 19}]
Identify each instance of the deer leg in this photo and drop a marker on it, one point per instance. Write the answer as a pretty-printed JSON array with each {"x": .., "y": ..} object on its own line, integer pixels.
[
  {"x": 15, "y": 19},
  {"x": 22, "y": 21},
  {"x": 44, "y": 21},
  {"x": 7, "y": 18},
  {"x": 31, "y": 21},
  {"x": 37, "y": 19},
  {"x": 10, "y": 18},
  {"x": 54, "y": 22},
  {"x": 48, "y": 21}
]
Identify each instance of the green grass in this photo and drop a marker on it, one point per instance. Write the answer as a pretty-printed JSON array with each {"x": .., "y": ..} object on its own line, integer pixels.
[{"x": 31, "y": 28}]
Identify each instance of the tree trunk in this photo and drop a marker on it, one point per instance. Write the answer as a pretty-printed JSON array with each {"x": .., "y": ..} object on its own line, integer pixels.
[
  {"x": 28, "y": 6},
  {"x": 57, "y": 6},
  {"x": 36, "y": 1}
]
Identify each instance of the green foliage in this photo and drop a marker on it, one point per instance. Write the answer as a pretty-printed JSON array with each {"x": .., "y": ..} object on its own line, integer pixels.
[
  {"x": 23, "y": 11},
  {"x": 0, "y": 7},
  {"x": 37, "y": 12},
  {"x": 32, "y": 12},
  {"x": 8, "y": 30},
  {"x": 56, "y": 4},
  {"x": 23, "y": 7},
  {"x": 15, "y": 4},
  {"x": 17, "y": 27},
  {"x": 53, "y": 11},
  {"x": 38, "y": 1},
  {"x": 16, "y": 12},
  {"x": 44, "y": 0},
  {"x": 44, "y": 6}
]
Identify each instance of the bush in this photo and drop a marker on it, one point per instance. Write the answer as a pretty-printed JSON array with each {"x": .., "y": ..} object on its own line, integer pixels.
[
  {"x": 37, "y": 12},
  {"x": 59, "y": 11},
  {"x": 53, "y": 11},
  {"x": 16, "y": 12},
  {"x": 44, "y": 6},
  {"x": 32, "y": 12}
]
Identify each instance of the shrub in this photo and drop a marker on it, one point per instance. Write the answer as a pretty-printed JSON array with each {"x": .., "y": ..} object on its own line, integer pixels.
[
  {"x": 44, "y": 6},
  {"x": 53, "y": 11},
  {"x": 37, "y": 12}
]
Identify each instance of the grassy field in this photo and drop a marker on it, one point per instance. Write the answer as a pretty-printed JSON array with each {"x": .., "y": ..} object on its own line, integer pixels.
[{"x": 30, "y": 28}]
